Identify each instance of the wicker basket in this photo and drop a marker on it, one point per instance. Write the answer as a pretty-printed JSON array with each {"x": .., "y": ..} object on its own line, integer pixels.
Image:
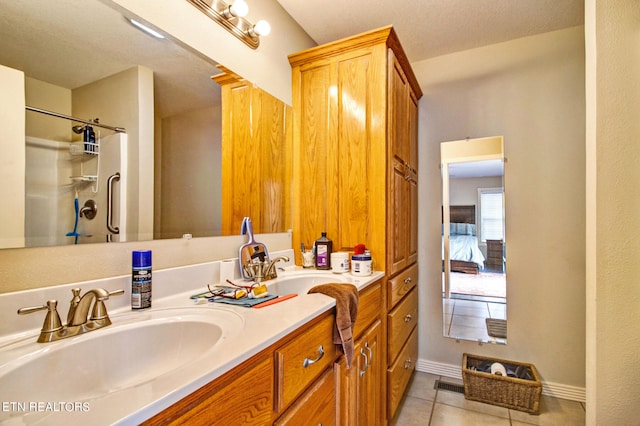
[{"x": 505, "y": 391}]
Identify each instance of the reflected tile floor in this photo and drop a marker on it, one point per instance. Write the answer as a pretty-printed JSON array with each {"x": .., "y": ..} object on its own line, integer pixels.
[
  {"x": 465, "y": 319},
  {"x": 423, "y": 405}
]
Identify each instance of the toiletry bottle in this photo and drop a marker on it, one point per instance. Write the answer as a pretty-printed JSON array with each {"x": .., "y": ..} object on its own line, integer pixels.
[
  {"x": 323, "y": 252},
  {"x": 141, "y": 279},
  {"x": 89, "y": 138},
  {"x": 86, "y": 137}
]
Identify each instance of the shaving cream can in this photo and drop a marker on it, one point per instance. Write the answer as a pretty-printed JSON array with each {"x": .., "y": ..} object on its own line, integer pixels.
[{"x": 141, "y": 279}]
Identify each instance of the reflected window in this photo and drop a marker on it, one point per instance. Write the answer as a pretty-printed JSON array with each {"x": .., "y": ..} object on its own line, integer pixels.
[{"x": 491, "y": 214}]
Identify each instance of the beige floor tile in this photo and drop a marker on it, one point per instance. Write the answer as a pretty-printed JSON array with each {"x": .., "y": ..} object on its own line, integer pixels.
[
  {"x": 553, "y": 411},
  {"x": 479, "y": 311},
  {"x": 413, "y": 412},
  {"x": 422, "y": 385},
  {"x": 458, "y": 400},
  {"x": 447, "y": 415}
]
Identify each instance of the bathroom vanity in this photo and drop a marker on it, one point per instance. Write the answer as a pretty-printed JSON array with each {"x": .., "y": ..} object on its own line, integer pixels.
[
  {"x": 205, "y": 363},
  {"x": 300, "y": 379}
]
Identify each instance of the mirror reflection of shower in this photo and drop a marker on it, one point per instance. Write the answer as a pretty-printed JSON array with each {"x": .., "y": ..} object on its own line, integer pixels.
[
  {"x": 473, "y": 240},
  {"x": 66, "y": 183}
]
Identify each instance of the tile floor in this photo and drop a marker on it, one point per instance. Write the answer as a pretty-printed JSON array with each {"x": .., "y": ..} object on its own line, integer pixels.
[
  {"x": 465, "y": 319},
  {"x": 424, "y": 405}
]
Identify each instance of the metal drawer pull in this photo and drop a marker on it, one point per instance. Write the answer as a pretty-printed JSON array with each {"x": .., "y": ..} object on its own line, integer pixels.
[
  {"x": 366, "y": 345},
  {"x": 307, "y": 362},
  {"x": 408, "y": 318},
  {"x": 407, "y": 364},
  {"x": 366, "y": 362},
  {"x": 407, "y": 280}
]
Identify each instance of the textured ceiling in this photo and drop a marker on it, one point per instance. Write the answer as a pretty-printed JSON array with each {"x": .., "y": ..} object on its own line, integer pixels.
[
  {"x": 429, "y": 28},
  {"x": 67, "y": 45}
]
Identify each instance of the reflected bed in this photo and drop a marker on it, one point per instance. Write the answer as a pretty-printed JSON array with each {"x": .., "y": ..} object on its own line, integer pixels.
[{"x": 464, "y": 253}]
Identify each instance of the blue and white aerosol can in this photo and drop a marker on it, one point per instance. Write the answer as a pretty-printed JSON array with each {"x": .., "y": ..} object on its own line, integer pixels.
[{"x": 141, "y": 279}]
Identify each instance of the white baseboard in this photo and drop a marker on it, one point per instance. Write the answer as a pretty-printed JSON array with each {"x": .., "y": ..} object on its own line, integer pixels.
[{"x": 454, "y": 371}]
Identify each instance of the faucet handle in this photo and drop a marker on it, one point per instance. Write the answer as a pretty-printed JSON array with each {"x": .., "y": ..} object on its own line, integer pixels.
[
  {"x": 99, "y": 309},
  {"x": 51, "y": 320}
]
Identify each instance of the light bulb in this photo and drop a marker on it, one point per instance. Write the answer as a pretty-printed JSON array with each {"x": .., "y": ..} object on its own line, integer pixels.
[
  {"x": 262, "y": 28},
  {"x": 239, "y": 8}
]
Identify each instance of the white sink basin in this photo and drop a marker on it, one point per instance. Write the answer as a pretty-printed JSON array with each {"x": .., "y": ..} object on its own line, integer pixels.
[
  {"x": 136, "y": 348},
  {"x": 302, "y": 283}
]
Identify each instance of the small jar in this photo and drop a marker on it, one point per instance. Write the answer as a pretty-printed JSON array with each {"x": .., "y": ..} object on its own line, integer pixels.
[{"x": 361, "y": 264}]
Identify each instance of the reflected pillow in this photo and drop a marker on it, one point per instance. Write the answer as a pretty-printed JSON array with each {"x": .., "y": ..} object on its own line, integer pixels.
[{"x": 471, "y": 229}]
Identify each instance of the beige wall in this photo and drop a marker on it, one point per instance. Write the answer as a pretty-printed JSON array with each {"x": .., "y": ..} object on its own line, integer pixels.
[
  {"x": 531, "y": 91},
  {"x": 12, "y": 160},
  {"x": 613, "y": 208},
  {"x": 125, "y": 100},
  {"x": 267, "y": 67},
  {"x": 48, "y": 96},
  {"x": 191, "y": 174}
]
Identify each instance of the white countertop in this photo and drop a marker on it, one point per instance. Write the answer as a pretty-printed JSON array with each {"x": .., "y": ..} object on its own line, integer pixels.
[{"x": 262, "y": 328}]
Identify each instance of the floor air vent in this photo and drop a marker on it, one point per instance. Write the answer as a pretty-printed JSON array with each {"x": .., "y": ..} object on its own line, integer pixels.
[{"x": 451, "y": 387}]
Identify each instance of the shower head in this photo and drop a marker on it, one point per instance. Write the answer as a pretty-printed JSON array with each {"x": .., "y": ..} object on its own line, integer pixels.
[{"x": 78, "y": 129}]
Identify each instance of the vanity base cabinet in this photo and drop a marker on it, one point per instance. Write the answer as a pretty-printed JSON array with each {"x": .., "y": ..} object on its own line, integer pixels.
[
  {"x": 243, "y": 396},
  {"x": 302, "y": 359},
  {"x": 359, "y": 387},
  {"x": 316, "y": 407},
  {"x": 400, "y": 372},
  {"x": 402, "y": 335}
]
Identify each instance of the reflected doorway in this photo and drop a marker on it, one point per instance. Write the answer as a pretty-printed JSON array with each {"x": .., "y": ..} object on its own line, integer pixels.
[{"x": 474, "y": 285}]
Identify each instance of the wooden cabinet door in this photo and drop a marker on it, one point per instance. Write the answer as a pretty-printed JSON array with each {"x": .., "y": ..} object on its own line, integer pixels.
[
  {"x": 398, "y": 229},
  {"x": 340, "y": 150},
  {"x": 317, "y": 406},
  {"x": 360, "y": 387},
  {"x": 243, "y": 396},
  {"x": 370, "y": 370},
  {"x": 256, "y": 158}
]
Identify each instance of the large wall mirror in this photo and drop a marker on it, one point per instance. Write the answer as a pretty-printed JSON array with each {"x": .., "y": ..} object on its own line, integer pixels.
[
  {"x": 474, "y": 285},
  {"x": 89, "y": 61}
]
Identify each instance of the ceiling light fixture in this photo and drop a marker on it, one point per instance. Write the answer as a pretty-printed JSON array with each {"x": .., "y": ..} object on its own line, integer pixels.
[
  {"x": 146, "y": 29},
  {"x": 232, "y": 18}
]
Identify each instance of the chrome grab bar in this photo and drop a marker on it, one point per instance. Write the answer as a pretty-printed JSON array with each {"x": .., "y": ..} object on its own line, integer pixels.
[{"x": 110, "y": 227}]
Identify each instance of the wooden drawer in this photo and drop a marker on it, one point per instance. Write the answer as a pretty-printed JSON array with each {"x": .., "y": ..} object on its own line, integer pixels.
[
  {"x": 401, "y": 322},
  {"x": 300, "y": 361},
  {"x": 399, "y": 374},
  {"x": 316, "y": 406},
  {"x": 368, "y": 307},
  {"x": 243, "y": 396},
  {"x": 400, "y": 285}
]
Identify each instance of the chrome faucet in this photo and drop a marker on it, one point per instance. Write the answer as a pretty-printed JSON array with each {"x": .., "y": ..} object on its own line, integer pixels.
[
  {"x": 266, "y": 270},
  {"x": 78, "y": 319}
]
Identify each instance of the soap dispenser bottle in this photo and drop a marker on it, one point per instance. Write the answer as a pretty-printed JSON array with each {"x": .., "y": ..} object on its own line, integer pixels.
[{"x": 323, "y": 247}]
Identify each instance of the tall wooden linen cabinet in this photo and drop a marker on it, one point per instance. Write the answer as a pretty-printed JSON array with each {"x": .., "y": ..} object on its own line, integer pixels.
[
  {"x": 256, "y": 156},
  {"x": 355, "y": 163}
]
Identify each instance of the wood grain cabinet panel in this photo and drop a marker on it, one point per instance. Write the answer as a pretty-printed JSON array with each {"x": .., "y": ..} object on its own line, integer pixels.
[
  {"x": 256, "y": 156},
  {"x": 399, "y": 373},
  {"x": 400, "y": 285},
  {"x": 355, "y": 153},
  {"x": 401, "y": 322},
  {"x": 300, "y": 361},
  {"x": 243, "y": 396},
  {"x": 317, "y": 406}
]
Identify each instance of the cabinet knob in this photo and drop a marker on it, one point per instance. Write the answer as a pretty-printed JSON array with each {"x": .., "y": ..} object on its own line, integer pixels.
[
  {"x": 408, "y": 318},
  {"x": 407, "y": 364},
  {"x": 307, "y": 362},
  {"x": 407, "y": 280}
]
